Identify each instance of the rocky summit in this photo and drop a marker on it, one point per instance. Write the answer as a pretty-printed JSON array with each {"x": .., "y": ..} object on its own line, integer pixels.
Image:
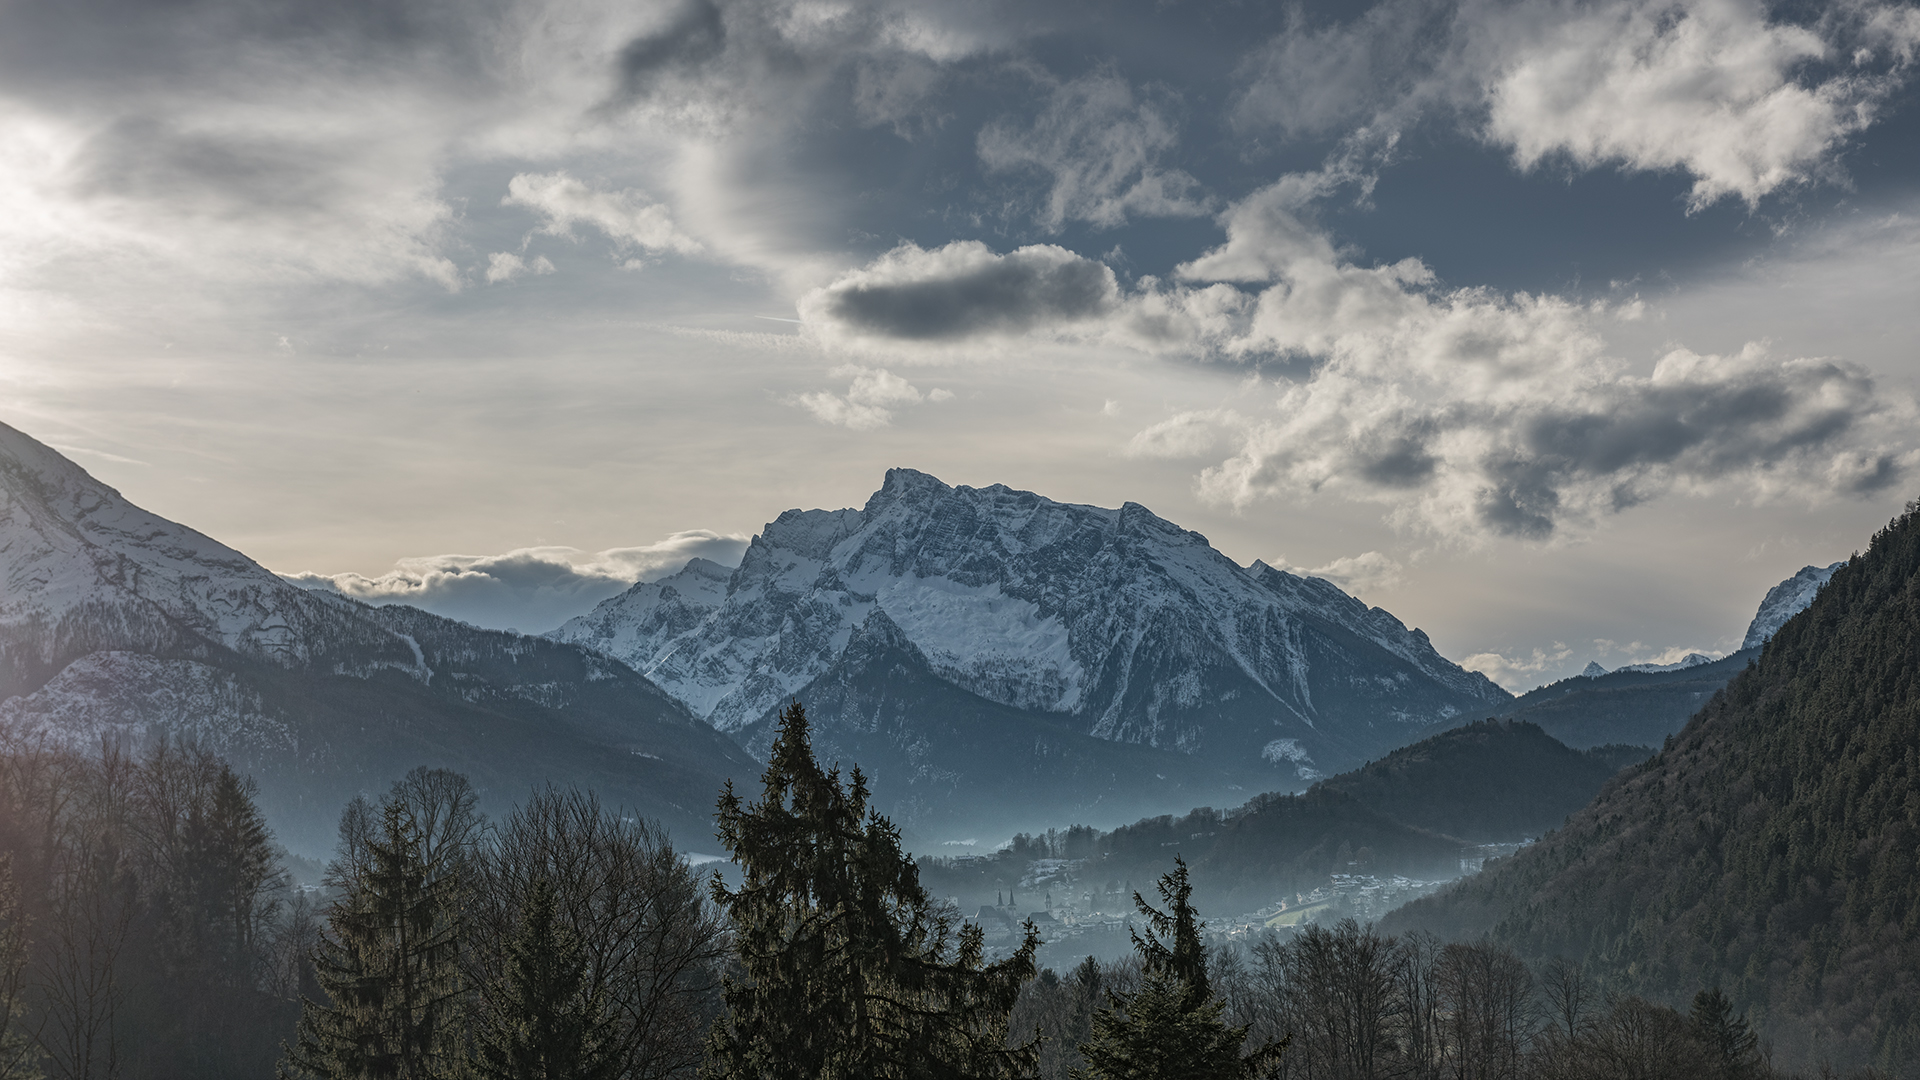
[{"x": 1113, "y": 624}]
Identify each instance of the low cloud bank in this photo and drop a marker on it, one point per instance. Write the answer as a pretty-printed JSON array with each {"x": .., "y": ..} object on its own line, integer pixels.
[{"x": 530, "y": 589}]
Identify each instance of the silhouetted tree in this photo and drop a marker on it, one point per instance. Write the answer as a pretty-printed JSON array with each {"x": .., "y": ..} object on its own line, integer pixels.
[
  {"x": 1172, "y": 1027},
  {"x": 546, "y": 1022},
  {"x": 388, "y": 964},
  {"x": 846, "y": 966}
]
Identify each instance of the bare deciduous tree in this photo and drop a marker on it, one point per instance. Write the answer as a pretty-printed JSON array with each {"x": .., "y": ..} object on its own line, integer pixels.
[{"x": 653, "y": 943}]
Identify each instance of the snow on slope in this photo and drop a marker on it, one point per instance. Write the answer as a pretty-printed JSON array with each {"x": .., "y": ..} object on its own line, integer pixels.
[
  {"x": 69, "y": 543},
  {"x": 1785, "y": 600},
  {"x": 1028, "y": 602}
]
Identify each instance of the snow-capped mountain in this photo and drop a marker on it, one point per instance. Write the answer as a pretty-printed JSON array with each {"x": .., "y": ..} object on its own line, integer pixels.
[
  {"x": 1785, "y": 600},
  {"x": 1124, "y": 625},
  {"x": 117, "y": 623}
]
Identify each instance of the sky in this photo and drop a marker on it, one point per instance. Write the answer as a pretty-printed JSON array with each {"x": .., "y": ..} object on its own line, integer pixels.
[{"x": 1560, "y": 330}]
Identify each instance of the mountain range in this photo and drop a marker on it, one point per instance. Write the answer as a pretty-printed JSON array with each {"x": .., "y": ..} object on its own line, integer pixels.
[
  {"x": 1073, "y": 632},
  {"x": 990, "y": 657}
]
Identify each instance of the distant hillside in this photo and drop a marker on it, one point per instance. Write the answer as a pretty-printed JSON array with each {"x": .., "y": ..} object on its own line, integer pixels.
[
  {"x": 1414, "y": 812},
  {"x": 1772, "y": 849},
  {"x": 1634, "y": 708},
  {"x": 1494, "y": 781}
]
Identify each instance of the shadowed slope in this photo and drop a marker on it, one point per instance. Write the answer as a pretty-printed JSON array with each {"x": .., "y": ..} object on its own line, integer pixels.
[{"x": 1772, "y": 847}]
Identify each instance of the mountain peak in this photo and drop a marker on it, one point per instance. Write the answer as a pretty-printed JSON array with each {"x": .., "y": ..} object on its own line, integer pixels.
[
  {"x": 73, "y": 543},
  {"x": 1119, "y": 622},
  {"x": 1786, "y": 600}
]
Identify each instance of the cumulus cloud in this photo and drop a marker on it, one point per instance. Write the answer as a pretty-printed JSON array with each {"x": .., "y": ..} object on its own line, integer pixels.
[
  {"x": 1470, "y": 413},
  {"x": 1474, "y": 413},
  {"x": 1186, "y": 435},
  {"x": 1364, "y": 572},
  {"x": 1743, "y": 103},
  {"x": 529, "y": 589},
  {"x": 962, "y": 290},
  {"x": 870, "y": 401},
  {"x": 1101, "y": 149},
  {"x": 1519, "y": 671},
  {"x": 505, "y": 266},
  {"x": 626, "y": 216}
]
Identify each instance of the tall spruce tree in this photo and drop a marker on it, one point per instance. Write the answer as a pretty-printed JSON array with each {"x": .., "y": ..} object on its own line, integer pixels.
[
  {"x": 847, "y": 967},
  {"x": 388, "y": 964},
  {"x": 544, "y": 1022},
  {"x": 1732, "y": 1048},
  {"x": 1171, "y": 1027}
]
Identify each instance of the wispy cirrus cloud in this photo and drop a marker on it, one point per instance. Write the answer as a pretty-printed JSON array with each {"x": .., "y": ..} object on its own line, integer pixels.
[{"x": 1102, "y": 146}]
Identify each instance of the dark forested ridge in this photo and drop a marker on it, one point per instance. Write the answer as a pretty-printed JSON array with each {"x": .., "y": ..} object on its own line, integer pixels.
[
  {"x": 1493, "y": 781},
  {"x": 1639, "y": 708},
  {"x": 1412, "y": 812},
  {"x": 1770, "y": 848}
]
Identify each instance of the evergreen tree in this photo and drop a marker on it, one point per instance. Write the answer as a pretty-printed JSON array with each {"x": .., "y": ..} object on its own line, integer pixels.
[
  {"x": 848, "y": 969},
  {"x": 389, "y": 966},
  {"x": 232, "y": 876},
  {"x": 1171, "y": 1028},
  {"x": 1186, "y": 958},
  {"x": 1730, "y": 1045},
  {"x": 544, "y": 1024}
]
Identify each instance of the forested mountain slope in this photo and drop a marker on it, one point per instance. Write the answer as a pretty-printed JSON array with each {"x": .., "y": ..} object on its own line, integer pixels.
[
  {"x": 1633, "y": 708},
  {"x": 1414, "y": 812},
  {"x": 1773, "y": 848},
  {"x": 1494, "y": 781}
]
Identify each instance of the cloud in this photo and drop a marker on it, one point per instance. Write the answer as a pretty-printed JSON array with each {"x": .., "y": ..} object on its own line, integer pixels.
[
  {"x": 505, "y": 266},
  {"x": 1102, "y": 150},
  {"x": 1519, "y": 672},
  {"x": 960, "y": 291},
  {"x": 1185, "y": 435},
  {"x": 1312, "y": 80},
  {"x": 1364, "y": 572},
  {"x": 1744, "y": 104},
  {"x": 529, "y": 589},
  {"x": 625, "y": 216},
  {"x": 1475, "y": 413},
  {"x": 870, "y": 401}
]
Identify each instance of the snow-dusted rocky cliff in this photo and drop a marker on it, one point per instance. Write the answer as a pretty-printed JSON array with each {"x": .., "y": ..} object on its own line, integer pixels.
[
  {"x": 1785, "y": 600},
  {"x": 1136, "y": 630}
]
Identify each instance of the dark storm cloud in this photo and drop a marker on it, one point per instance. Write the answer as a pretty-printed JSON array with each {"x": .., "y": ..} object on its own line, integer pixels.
[{"x": 964, "y": 290}]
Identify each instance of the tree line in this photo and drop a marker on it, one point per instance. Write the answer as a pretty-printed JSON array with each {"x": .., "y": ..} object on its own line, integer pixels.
[{"x": 146, "y": 929}]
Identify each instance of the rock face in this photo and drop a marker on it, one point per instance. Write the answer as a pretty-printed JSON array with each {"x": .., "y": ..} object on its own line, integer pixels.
[
  {"x": 117, "y": 623},
  {"x": 1785, "y": 600},
  {"x": 1117, "y": 624}
]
